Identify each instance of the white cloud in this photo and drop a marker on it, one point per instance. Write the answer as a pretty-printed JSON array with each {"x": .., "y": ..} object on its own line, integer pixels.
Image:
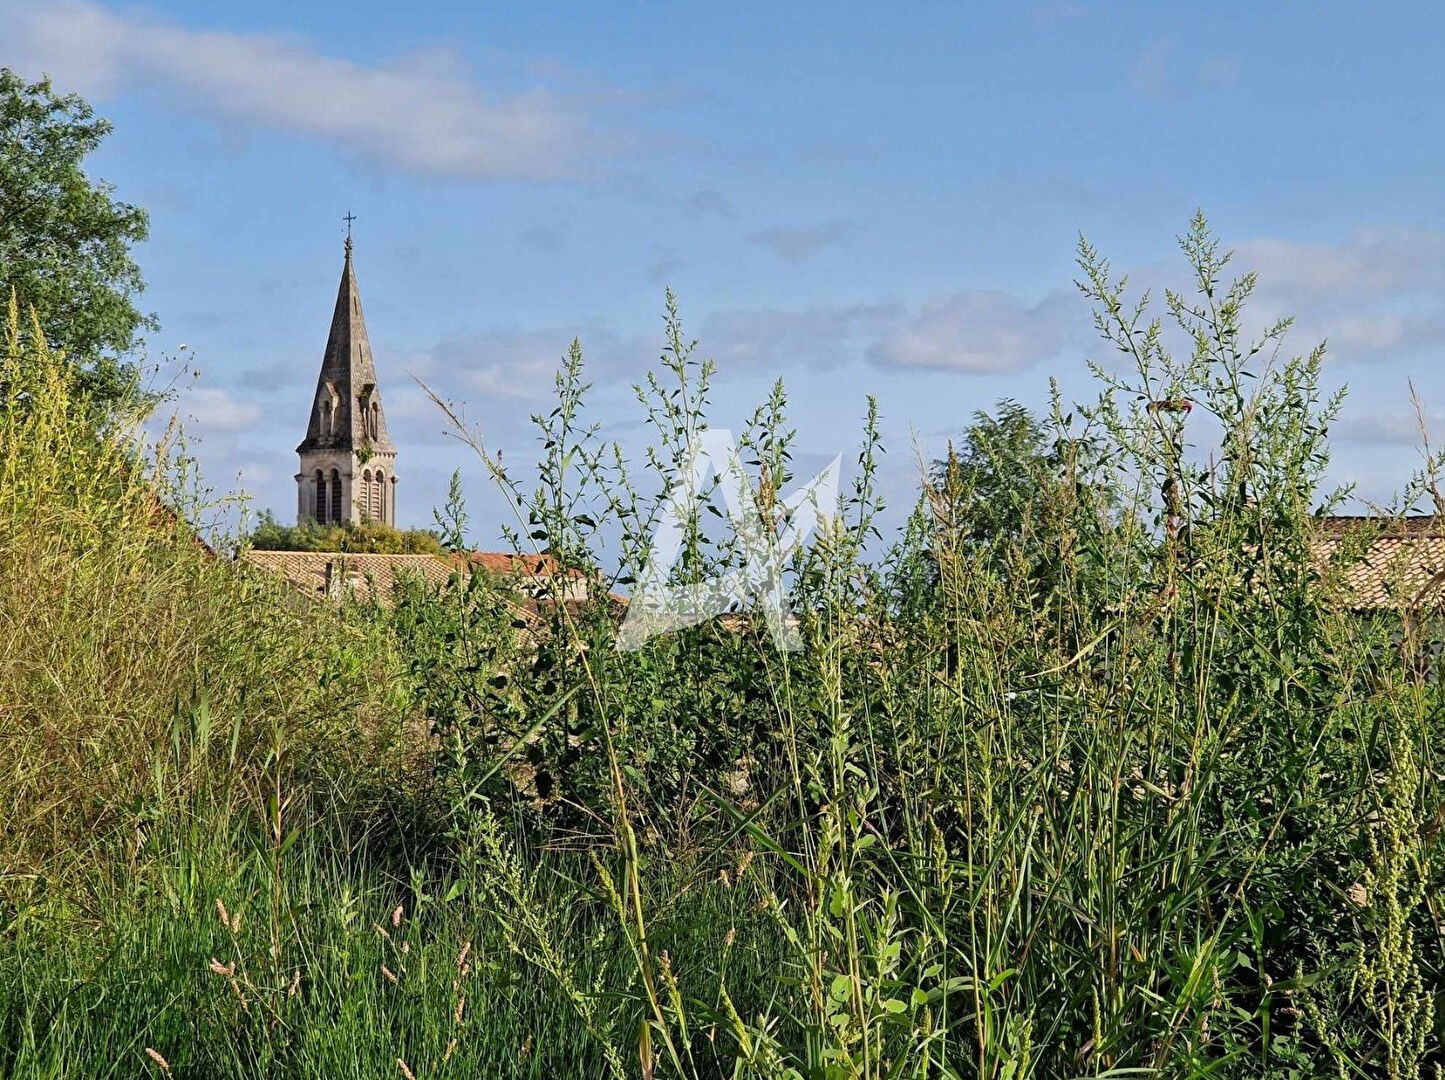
[
  {"x": 520, "y": 365},
  {"x": 1369, "y": 263},
  {"x": 980, "y": 331},
  {"x": 976, "y": 331},
  {"x": 1158, "y": 72},
  {"x": 213, "y": 410},
  {"x": 1149, "y": 73},
  {"x": 707, "y": 201},
  {"x": 796, "y": 243},
  {"x": 1376, "y": 296},
  {"x": 1390, "y": 427},
  {"x": 783, "y": 340},
  {"x": 420, "y": 114}
]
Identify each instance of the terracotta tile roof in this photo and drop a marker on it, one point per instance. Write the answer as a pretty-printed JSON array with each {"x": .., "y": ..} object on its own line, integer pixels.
[
  {"x": 323, "y": 574},
  {"x": 331, "y": 575},
  {"x": 1403, "y": 564},
  {"x": 506, "y": 562}
]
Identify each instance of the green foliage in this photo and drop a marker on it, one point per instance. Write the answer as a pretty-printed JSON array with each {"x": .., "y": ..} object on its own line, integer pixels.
[
  {"x": 452, "y": 520},
  {"x": 100, "y": 651},
  {"x": 65, "y": 243},
  {"x": 1002, "y": 475},
  {"x": 371, "y": 537},
  {"x": 1092, "y": 775}
]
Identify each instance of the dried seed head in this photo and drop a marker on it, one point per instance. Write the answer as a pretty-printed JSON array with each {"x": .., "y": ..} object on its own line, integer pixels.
[
  {"x": 1357, "y": 895},
  {"x": 404, "y": 1070},
  {"x": 240, "y": 996},
  {"x": 227, "y": 971},
  {"x": 457, "y": 1013},
  {"x": 224, "y": 915},
  {"x": 730, "y": 937},
  {"x": 295, "y": 983},
  {"x": 155, "y": 1055},
  {"x": 462, "y": 957},
  {"x": 390, "y": 975},
  {"x": 396, "y": 915},
  {"x": 451, "y": 1049}
]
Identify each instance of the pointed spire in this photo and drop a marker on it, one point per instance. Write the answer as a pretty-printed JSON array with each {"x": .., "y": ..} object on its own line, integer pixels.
[{"x": 346, "y": 413}]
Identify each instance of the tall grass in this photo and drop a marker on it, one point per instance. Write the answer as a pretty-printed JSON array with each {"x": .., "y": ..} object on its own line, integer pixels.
[{"x": 1097, "y": 776}]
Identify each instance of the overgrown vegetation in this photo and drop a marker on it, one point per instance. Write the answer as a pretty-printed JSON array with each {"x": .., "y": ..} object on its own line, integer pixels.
[
  {"x": 1092, "y": 775},
  {"x": 366, "y": 536}
]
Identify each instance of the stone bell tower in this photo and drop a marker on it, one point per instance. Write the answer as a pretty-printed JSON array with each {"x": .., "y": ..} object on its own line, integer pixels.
[{"x": 348, "y": 463}]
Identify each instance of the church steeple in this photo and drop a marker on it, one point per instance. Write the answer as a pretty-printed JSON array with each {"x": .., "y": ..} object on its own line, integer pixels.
[{"x": 347, "y": 458}]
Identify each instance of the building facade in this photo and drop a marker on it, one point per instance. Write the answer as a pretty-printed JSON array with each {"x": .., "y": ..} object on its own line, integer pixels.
[{"x": 348, "y": 462}]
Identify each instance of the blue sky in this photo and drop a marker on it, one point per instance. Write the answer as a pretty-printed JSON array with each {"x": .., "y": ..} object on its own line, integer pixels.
[{"x": 861, "y": 199}]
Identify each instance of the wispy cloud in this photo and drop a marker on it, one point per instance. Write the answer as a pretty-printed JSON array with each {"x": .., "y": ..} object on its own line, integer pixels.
[
  {"x": 543, "y": 238},
  {"x": 981, "y": 330},
  {"x": 706, "y": 201},
  {"x": 1054, "y": 13},
  {"x": 1387, "y": 427},
  {"x": 422, "y": 114},
  {"x": 1378, "y": 296},
  {"x": 795, "y": 243},
  {"x": 1159, "y": 71},
  {"x": 973, "y": 331},
  {"x": 520, "y": 364},
  {"x": 212, "y": 409},
  {"x": 781, "y": 340}
]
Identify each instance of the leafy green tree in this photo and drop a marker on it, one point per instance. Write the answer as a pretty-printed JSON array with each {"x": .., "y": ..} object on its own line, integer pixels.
[
  {"x": 995, "y": 484},
  {"x": 65, "y": 243},
  {"x": 368, "y": 537}
]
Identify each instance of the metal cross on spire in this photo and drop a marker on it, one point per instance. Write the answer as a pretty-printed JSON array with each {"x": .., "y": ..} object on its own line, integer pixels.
[{"x": 349, "y": 218}]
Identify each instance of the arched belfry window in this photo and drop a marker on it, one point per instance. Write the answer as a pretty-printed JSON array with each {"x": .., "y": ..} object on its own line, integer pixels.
[
  {"x": 335, "y": 495},
  {"x": 365, "y": 500},
  {"x": 378, "y": 499},
  {"x": 320, "y": 514},
  {"x": 375, "y": 420}
]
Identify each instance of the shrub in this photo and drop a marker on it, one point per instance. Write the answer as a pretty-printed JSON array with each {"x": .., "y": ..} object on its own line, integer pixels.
[{"x": 371, "y": 537}]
